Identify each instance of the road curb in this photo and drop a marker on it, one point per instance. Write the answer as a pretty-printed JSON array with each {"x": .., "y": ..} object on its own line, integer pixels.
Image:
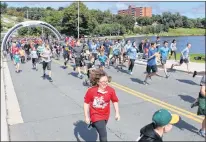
[{"x": 4, "y": 123}]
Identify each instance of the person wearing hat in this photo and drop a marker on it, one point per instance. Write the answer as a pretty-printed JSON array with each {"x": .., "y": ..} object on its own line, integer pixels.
[{"x": 162, "y": 123}]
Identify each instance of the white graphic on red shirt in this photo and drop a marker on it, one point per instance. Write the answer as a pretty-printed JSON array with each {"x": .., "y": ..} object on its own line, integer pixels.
[{"x": 99, "y": 102}]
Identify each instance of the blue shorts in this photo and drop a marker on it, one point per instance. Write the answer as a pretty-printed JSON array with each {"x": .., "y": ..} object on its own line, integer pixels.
[{"x": 102, "y": 64}]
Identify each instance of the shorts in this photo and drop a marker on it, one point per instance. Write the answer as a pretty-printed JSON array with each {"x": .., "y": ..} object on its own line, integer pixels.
[
  {"x": 79, "y": 62},
  {"x": 16, "y": 61},
  {"x": 102, "y": 64},
  {"x": 163, "y": 61},
  {"x": 151, "y": 68},
  {"x": 66, "y": 56},
  {"x": 34, "y": 60},
  {"x": 184, "y": 61},
  {"x": 94, "y": 55},
  {"x": 46, "y": 65}
]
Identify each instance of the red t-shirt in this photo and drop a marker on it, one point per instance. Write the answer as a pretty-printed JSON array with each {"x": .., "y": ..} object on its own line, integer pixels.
[
  {"x": 100, "y": 103},
  {"x": 14, "y": 50}
]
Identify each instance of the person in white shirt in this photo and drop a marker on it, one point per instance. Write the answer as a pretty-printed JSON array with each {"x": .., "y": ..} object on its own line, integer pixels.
[
  {"x": 34, "y": 58},
  {"x": 173, "y": 48},
  {"x": 46, "y": 58}
]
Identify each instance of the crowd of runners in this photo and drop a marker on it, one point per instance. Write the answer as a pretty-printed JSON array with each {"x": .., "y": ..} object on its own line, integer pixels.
[{"x": 90, "y": 58}]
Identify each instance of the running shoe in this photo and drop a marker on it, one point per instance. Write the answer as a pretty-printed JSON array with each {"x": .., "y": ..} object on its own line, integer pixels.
[
  {"x": 130, "y": 73},
  {"x": 194, "y": 74},
  {"x": 167, "y": 76},
  {"x": 145, "y": 83},
  {"x": 194, "y": 104},
  {"x": 44, "y": 76},
  {"x": 202, "y": 133},
  {"x": 50, "y": 79}
]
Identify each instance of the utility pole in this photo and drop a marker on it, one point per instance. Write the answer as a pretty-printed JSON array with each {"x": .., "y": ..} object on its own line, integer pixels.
[
  {"x": 78, "y": 20},
  {"x": 27, "y": 16}
]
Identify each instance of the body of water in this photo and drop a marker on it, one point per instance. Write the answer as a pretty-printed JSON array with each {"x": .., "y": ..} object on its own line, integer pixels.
[{"x": 198, "y": 42}]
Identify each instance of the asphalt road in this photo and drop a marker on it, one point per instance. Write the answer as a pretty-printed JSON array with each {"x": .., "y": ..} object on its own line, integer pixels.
[{"x": 54, "y": 111}]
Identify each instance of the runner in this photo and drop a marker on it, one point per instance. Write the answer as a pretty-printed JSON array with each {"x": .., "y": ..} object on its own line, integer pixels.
[
  {"x": 102, "y": 59},
  {"x": 173, "y": 48},
  {"x": 151, "y": 62},
  {"x": 22, "y": 55},
  {"x": 184, "y": 57},
  {"x": 40, "y": 49},
  {"x": 66, "y": 53},
  {"x": 116, "y": 53},
  {"x": 132, "y": 54},
  {"x": 97, "y": 103},
  {"x": 90, "y": 68},
  {"x": 46, "y": 58},
  {"x": 158, "y": 42},
  {"x": 34, "y": 58},
  {"x": 162, "y": 123},
  {"x": 79, "y": 61},
  {"x": 164, "y": 51},
  {"x": 17, "y": 61}
]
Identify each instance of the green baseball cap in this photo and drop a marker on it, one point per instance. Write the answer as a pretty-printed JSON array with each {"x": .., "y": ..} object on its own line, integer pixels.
[{"x": 163, "y": 117}]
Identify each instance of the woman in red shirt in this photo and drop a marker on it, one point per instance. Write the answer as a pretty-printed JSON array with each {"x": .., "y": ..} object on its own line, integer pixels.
[{"x": 97, "y": 103}]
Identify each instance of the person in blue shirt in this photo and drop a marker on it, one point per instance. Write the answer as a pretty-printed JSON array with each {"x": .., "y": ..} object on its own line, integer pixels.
[
  {"x": 164, "y": 52},
  {"x": 184, "y": 57},
  {"x": 151, "y": 62},
  {"x": 102, "y": 59},
  {"x": 132, "y": 54}
]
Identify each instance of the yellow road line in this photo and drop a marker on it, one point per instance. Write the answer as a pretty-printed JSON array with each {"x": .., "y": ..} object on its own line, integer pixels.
[{"x": 154, "y": 101}]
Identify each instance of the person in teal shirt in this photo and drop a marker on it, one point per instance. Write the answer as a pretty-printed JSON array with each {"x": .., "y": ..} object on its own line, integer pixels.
[
  {"x": 164, "y": 52},
  {"x": 17, "y": 61}
]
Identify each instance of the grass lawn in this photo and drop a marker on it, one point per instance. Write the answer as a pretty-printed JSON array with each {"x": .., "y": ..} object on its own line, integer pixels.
[
  {"x": 183, "y": 32},
  {"x": 192, "y": 58}
]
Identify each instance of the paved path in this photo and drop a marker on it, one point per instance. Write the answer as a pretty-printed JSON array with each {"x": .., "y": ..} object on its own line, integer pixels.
[{"x": 54, "y": 111}]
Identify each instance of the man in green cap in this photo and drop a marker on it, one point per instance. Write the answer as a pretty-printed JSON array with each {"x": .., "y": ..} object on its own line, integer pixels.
[{"x": 162, "y": 123}]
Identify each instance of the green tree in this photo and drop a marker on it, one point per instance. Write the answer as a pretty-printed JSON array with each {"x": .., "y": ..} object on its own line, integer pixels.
[
  {"x": 70, "y": 19},
  {"x": 3, "y": 7},
  {"x": 20, "y": 19}
]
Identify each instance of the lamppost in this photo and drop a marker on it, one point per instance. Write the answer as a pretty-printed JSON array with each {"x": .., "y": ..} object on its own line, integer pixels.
[{"x": 78, "y": 20}]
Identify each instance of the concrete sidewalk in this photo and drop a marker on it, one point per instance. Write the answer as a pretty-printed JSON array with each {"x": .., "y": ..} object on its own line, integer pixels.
[{"x": 192, "y": 66}]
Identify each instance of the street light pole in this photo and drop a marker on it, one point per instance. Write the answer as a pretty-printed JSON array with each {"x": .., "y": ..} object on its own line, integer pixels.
[{"x": 78, "y": 19}]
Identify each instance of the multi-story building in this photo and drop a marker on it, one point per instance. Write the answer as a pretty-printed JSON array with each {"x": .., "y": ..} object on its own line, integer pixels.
[{"x": 137, "y": 11}]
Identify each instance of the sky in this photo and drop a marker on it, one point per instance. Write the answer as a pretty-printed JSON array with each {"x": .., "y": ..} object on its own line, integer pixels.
[{"x": 189, "y": 9}]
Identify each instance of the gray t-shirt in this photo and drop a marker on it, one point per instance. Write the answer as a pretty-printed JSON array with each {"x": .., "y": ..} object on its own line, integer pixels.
[
  {"x": 47, "y": 53},
  {"x": 78, "y": 51}
]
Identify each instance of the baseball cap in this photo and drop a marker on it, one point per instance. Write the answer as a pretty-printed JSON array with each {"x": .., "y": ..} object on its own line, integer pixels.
[{"x": 163, "y": 117}]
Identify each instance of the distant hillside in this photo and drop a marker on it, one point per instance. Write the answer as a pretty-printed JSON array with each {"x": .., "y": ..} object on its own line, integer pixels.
[{"x": 8, "y": 21}]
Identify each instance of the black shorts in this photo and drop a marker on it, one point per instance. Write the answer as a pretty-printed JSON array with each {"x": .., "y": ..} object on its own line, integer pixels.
[
  {"x": 66, "y": 56},
  {"x": 34, "y": 60},
  {"x": 46, "y": 65},
  {"x": 94, "y": 55},
  {"x": 79, "y": 62},
  {"x": 184, "y": 61},
  {"x": 151, "y": 68}
]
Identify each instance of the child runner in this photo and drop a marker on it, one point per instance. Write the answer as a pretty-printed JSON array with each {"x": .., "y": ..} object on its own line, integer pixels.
[
  {"x": 90, "y": 67},
  {"x": 17, "y": 61},
  {"x": 97, "y": 103},
  {"x": 34, "y": 58},
  {"x": 102, "y": 59}
]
